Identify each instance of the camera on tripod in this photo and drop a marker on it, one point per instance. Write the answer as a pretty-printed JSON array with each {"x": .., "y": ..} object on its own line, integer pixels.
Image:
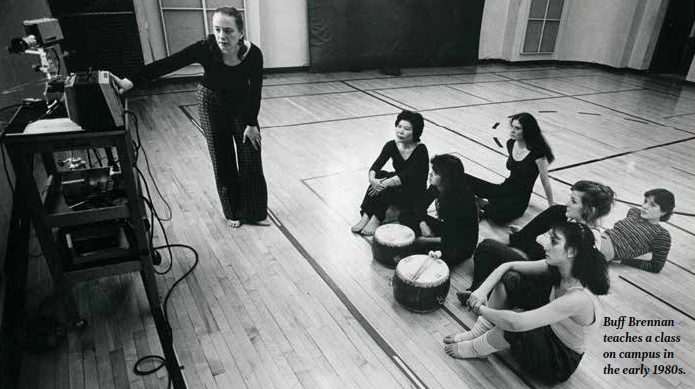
[{"x": 41, "y": 33}]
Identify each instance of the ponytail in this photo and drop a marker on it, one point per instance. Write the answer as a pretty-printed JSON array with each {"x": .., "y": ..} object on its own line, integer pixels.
[
  {"x": 589, "y": 266},
  {"x": 242, "y": 49}
]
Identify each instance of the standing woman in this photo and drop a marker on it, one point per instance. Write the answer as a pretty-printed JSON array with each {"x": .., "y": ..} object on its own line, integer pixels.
[
  {"x": 455, "y": 229},
  {"x": 529, "y": 157},
  {"x": 402, "y": 187},
  {"x": 229, "y": 98},
  {"x": 558, "y": 296}
]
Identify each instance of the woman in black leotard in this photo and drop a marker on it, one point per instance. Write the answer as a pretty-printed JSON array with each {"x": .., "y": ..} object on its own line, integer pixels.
[
  {"x": 455, "y": 229},
  {"x": 529, "y": 157},
  {"x": 404, "y": 186}
]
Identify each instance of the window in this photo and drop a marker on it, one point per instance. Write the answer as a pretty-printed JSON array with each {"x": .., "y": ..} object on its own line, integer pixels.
[
  {"x": 543, "y": 25},
  {"x": 186, "y": 21}
]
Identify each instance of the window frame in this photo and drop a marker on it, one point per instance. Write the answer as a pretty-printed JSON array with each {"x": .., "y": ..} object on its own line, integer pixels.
[
  {"x": 204, "y": 10},
  {"x": 544, "y": 19}
]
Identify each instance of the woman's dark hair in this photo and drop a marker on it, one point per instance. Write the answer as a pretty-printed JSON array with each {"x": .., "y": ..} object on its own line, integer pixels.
[
  {"x": 415, "y": 120},
  {"x": 597, "y": 199},
  {"x": 239, "y": 21},
  {"x": 455, "y": 187},
  {"x": 589, "y": 265},
  {"x": 665, "y": 199},
  {"x": 533, "y": 137}
]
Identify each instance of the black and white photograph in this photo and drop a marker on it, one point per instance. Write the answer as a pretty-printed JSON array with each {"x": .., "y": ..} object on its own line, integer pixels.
[{"x": 329, "y": 194}]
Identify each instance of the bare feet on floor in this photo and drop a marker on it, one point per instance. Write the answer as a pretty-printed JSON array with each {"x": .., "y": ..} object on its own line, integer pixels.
[
  {"x": 462, "y": 350},
  {"x": 264, "y": 223},
  {"x": 371, "y": 226},
  {"x": 239, "y": 223},
  {"x": 360, "y": 224}
]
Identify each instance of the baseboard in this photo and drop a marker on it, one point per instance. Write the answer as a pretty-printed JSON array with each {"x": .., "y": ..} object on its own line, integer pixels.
[{"x": 608, "y": 68}]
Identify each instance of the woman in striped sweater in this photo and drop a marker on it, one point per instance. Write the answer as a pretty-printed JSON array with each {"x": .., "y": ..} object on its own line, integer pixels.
[{"x": 640, "y": 232}]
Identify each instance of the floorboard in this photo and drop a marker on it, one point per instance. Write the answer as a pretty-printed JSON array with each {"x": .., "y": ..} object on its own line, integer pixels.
[{"x": 301, "y": 303}]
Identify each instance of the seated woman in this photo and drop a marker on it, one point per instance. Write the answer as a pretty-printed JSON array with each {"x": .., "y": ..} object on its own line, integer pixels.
[
  {"x": 529, "y": 157},
  {"x": 455, "y": 230},
  {"x": 589, "y": 201},
  {"x": 558, "y": 298},
  {"x": 402, "y": 187},
  {"x": 640, "y": 233}
]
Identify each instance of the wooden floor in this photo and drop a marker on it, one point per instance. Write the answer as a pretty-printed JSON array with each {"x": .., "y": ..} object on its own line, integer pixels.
[{"x": 301, "y": 304}]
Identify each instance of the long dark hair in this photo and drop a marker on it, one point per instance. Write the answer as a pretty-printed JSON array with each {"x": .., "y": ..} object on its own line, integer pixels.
[
  {"x": 589, "y": 265},
  {"x": 239, "y": 21},
  {"x": 454, "y": 184},
  {"x": 533, "y": 136}
]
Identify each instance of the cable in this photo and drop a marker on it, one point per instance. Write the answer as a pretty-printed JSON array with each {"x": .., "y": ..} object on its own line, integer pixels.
[
  {"x": 136, "y": 368},
  {"x": 96, "y": 153},
  {"x": 57, "y": 58},
  {"x": 4, "y": 165},
  {"x": 153, "y": 213},
  {"x": 156, "y": 187},
  {"x": 147, "y": 198},
  {"x": 138, "y": 147},
  {"x": 9, "y": 107}
]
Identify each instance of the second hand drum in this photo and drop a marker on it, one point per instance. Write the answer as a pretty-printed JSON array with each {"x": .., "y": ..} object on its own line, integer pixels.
[
  {"x": 421, "y": 283},
  {"x": 391, "y": 243}
]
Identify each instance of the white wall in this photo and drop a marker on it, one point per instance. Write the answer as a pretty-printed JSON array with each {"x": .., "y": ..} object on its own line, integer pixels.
[
  {"x": 619, "y": 33},
  {"x": 614, "y": 33},
  {"x": 492, "y": 30},
  {"x": 284, "y": 33}
]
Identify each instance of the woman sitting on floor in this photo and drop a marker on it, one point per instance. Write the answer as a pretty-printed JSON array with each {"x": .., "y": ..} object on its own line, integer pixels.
[
  {"x": 455, "y": 230},
  {"x": 640, "y": 233},
  {"x": 557, "y": 295},
  {"x": 529, "y": 157},
  {"x": 589, "y": 201},
  {"x": 402, "y": 187}
]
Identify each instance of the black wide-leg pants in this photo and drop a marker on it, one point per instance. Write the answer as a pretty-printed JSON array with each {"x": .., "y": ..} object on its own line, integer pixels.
[{"x": 243, "y": 191}]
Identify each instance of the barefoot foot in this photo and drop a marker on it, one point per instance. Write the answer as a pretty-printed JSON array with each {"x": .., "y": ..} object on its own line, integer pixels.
[
  {"x": 371, "y": 226},
  {"x": 360, "y": 224},
  {"x": 264, "y": 222},
  {"x": 234, "y": 223},
  {"x": 462, "y": 350}
]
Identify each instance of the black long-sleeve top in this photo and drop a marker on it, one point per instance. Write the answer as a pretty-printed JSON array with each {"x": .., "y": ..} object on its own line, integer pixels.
[
  {"x": 525, "y": 239},
  {"x": 459, "y": 218},
  {"x": 241, "y": 84},
  {"x": 412, "y": 171}
]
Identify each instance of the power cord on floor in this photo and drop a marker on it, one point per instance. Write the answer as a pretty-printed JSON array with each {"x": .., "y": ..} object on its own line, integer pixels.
[
  {"x": 147, "y": 198},
  {"x": 136, "y": 368}
]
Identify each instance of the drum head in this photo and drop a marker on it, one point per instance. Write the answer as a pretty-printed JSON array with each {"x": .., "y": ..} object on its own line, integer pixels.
[
  {"x": 394, "y": 235},
  {"x": 422, "y": 270}
]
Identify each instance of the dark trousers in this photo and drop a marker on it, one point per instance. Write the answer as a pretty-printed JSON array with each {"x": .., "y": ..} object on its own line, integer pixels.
[
  {"x": 242, "y": 191},
  {"x": 451, "y": 255},
  {"x": 539, "y": 351},
  {"x": 488, "y": 256},
  {"x": 506, "y": 201},
  {"x": 378, "y": 204}
]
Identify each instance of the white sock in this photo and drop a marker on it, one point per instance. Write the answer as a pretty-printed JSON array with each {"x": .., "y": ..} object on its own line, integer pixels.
[
  {"x": 481, "y": 326},
  {"x": 482, "y": 346},
  {"x": 476, "y": 348}
]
